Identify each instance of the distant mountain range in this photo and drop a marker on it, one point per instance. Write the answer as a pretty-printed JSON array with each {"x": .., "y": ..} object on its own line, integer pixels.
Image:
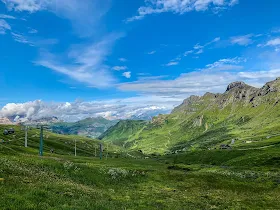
[
  {"x": 90, "y": 127},
  {"x": 44, "y": 121},
  {"x": 243, "y": 114},
  {"x": 5, "y": 121}
]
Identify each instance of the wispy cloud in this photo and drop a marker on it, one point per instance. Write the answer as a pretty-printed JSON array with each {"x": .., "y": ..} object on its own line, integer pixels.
[
  {"x": 226, "y": 64},
  {"x": 21, "y": 39},
  {"x": 172, "y": 63},
  {"x": 180, "y": 7},
  {"x": 3, "y": 16},
  {"x": 84, "y": 63},
  {"x": 242, "y": 40},
  {"x": 119, "y": 68},
  {"x": 273, "y": 42},
  {"x": 23, "y": 5},
  {"x": 127, "y": 74},
  {"x": 85, "y": 15},
  {"x": 151, "y": 52},
  {"x": 33, "y": 41},
  {"x": 213, "y": 78},
  {"x": 197, "y": 50},
  {"x": 4, "y": 26},
  {"x": 187, "y": 53},
  {"x": 199, "y": 82},
  {"x": 32, "y": 31}
]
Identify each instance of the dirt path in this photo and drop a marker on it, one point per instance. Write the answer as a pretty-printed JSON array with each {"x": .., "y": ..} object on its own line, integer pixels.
[{"x": 257, "y": 148}]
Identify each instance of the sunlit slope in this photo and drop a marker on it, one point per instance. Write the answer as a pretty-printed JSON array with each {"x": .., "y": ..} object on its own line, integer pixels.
[
  {"x": 246, "y": 116},
  {"x": 122, "y": 131},
  {"x": 61, "y": 144}
]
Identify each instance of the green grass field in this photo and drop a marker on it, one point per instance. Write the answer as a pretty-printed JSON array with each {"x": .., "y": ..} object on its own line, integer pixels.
[{"x": 214, "y": 179}]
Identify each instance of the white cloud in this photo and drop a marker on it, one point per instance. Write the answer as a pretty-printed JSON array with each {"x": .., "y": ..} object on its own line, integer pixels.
[
  {"x": 197, "y": 49},
  {"x": 213, "y": 78},
  {"x": 226, "y": 64},
  {"x": 21, "y": 39},
  {"x": 3, "y": 16},
  {"x": 188, "y": 53},
  {"x": 84, "y": 63},
  {"x": 120, "y": 68},
  {"x": 215, "y": 40},
  {"x": 152, "y": 52},
  {"x": 273, "y": 42},
  {"x": 25, "y": 5},
  {"x": 260, "y": 75},
  {"x": 4, "y": 26},
  {"x": 199, "y": 52},
  {"x": 242, "y": 40},
  {"x": 33, "y": 40},
  {"x": 85, "y": 15},
  {"x": 122, "y": 59},
  {"x": 127, "y": 74},
  {"x": 32, "y": 31},
  {"x": 172, "y": 63},
  {"x": 111, "y": 109},
  {"x": 180, "y": 7}
]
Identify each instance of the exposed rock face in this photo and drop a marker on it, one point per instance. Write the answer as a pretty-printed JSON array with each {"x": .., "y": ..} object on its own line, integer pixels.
[
  {"x": 236, "y": 92},
  {"x": 270, "y": 87},
  {"x": 239, "y": 85},
  {"x": 5, "y": 121},
  {"x": 191, "y": 99},
  {"x": 188, "y": 104}
]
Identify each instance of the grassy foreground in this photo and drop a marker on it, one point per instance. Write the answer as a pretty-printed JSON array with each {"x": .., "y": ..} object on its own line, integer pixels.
[{"x": 196, "y": 180}]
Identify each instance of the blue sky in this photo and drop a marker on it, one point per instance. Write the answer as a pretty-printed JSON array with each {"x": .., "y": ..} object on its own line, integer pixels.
[{"x": 118, "y": 58}]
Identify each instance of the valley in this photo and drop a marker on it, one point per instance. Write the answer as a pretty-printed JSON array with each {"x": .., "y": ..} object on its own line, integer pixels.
[{"x": 217, "y": 151}]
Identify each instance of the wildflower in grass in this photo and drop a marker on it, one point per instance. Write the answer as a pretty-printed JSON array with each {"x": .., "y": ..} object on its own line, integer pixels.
[{"x": 117, "y": 173}]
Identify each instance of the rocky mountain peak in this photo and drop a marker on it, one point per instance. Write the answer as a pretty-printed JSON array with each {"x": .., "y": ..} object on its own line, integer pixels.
[
  {"x": 5, "y": 121},
  {"x": 238, "y": 84}
]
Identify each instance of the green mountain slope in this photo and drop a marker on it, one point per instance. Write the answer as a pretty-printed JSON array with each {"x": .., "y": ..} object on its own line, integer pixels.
[
  {"x": 122, "y": 131},
  {"x": 61, "y": 144},
  {"x": 244, "y": 116},
  {"x": 90, "y": 127}
]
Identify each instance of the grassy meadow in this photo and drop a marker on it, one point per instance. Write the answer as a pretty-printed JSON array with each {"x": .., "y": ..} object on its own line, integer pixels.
[{"x": 246, "y": 178}]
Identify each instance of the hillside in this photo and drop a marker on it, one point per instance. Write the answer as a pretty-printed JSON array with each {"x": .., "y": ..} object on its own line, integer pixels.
[
  {"x": 90, "y": 127},
  {"x": 61, "y": 144},
  {"x": 122, "y": 131},
  {"x": 246, "y": 177},
  {"x": 216, "y": 179},
  {"x": 243, "y": 116}
]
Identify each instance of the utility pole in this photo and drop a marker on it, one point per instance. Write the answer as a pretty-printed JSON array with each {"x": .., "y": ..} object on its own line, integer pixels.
[
  {"x": 75, "y": 147},
  {"x": 26, "y": 130},
  {"x": 41, "y": 140},
  {"x": 107, "y": 152},
  {"x": 95, "y": 151},
  {"x": 100, "y": 152}
]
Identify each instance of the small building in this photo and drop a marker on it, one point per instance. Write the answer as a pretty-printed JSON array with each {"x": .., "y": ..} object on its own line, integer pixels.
[{"x": 225, "y": 146}]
